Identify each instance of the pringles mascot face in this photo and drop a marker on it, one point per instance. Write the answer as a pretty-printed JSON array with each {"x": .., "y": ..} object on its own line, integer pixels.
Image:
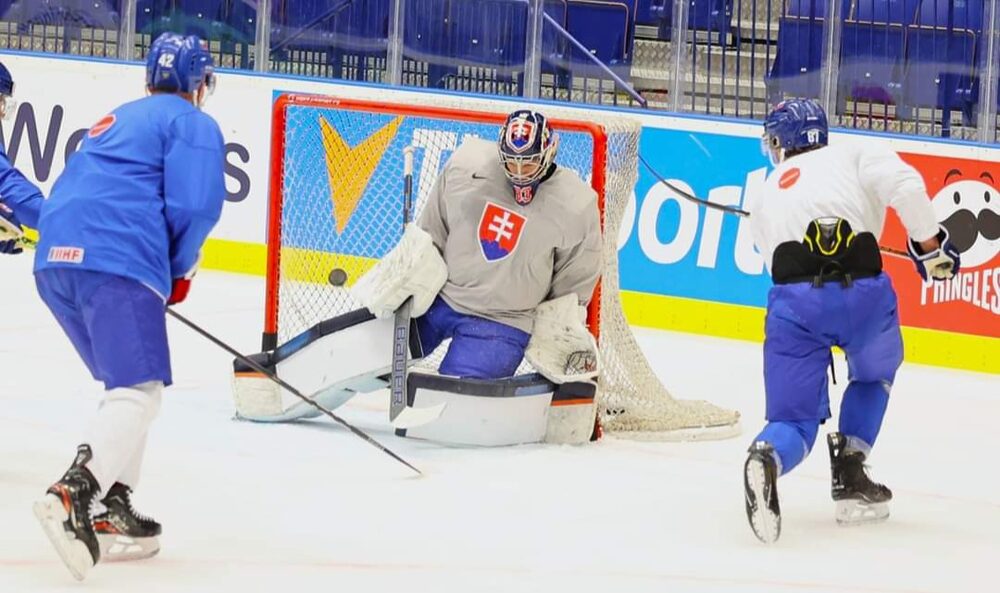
[{"x": 970, "y": 209}]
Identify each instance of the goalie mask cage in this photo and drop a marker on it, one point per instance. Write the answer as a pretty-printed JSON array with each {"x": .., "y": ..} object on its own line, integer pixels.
[{"x": 336, "y": 194}]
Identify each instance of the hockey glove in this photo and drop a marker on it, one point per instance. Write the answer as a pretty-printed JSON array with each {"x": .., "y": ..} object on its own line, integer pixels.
[
  {"x": 940, "y": 264},
  {"x": 182, "y": 285},
  {"x": 10, "y": 231}
]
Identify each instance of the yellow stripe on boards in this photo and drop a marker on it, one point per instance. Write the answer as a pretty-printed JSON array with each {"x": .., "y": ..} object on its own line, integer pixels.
[{"x": 303, "y": 265}]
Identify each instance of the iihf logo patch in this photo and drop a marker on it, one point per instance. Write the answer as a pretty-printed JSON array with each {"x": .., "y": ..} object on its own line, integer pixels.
[{"x": 499, "y": 231}]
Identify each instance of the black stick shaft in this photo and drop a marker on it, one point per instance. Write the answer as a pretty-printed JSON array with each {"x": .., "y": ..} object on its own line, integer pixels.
[
  {"x": 250, "y": 363},
  {"x": 401, "y": 319}
]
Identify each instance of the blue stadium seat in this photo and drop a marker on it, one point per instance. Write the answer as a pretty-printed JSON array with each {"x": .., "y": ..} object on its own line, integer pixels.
[
  {"x": 900, "y": 12},
  {"x": 427, "y": 37},
  {"x": 712, "y": 16},
  {"x": 871, "y": 51},
  {"x": 489, "y": 32},
  {"x": 796, "y": 67},
  {"x": 72, "y": 14},
  {"x": 940, "y": 57},
  {"x": 644, "y": 13},
  {"x": 190, "y": 17},
  {"x": 604, "y": 28}
]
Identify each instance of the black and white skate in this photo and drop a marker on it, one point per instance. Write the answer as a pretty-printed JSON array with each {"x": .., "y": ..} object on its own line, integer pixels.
[
  {"x": 64, "y": 513},
  {"x": 123, "y": 533},
  {"x": 760, "y": 483},
  {"x": 859, "y": 499}
]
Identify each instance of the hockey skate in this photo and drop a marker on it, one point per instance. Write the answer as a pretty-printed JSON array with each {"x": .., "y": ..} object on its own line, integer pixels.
[
  {"x": 123, "y": 533},
  {"x": 64, "y": 513},
  {"x": 760, "y": 482},
  {"x": 859, "y": 499}
]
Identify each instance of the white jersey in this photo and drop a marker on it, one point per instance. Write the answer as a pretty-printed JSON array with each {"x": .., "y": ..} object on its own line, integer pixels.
[
  {"x": 504, "y": 259},
  {"x": 850, "y": 181}
]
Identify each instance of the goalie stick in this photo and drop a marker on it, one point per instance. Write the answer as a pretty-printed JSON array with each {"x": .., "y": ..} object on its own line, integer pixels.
[
  {"x": 250, "y": 363},
  {"x": 401, "y": 322}
]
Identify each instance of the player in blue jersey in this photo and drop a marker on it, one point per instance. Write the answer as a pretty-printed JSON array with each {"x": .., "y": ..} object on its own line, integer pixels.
[
  {"x": 120, "y": 237},
  {"x": 816, "y": 223},
  {"x": 20, "y": 200}
]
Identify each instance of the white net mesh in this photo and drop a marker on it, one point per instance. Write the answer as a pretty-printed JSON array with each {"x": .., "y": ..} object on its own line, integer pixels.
[{"x": 341, "y": 209}]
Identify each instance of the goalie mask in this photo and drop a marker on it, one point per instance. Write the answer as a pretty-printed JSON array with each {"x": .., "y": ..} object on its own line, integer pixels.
[{"x": 527, "y": 150}]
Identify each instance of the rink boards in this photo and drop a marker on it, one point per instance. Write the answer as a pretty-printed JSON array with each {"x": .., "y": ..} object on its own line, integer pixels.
[{"x": 682, "y": 267}]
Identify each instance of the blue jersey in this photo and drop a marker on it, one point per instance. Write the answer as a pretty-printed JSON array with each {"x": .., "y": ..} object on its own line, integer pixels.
[
  {"x": 19, "y": 194},
  {"x": 140, "y": 196}
]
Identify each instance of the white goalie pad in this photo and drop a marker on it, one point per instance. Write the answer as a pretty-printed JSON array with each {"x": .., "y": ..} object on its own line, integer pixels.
[
  {"x": 413, "y": 268},
  {"x": 330, "y": 362},
  {"x": 561, "y": 347},
  {"x": 492, "y": 413}
]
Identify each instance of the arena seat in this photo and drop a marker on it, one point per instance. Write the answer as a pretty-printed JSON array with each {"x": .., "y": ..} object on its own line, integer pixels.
[
  {"x": 871, "y": 49},
  {"x": 712, "y": 16},
  {"x": 941, "y": 57},
  {"x": 603, "y": 28},
  {"x": 799, "y": 53},
  {"x": 428, "y": 37}
]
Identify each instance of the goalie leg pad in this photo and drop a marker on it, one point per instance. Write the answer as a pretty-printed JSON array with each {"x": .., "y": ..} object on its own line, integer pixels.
[
  {"x": 330, "y": 362},
  {"x": 484, "y": 412},
  {"x": 498, "y": 412},
  {"x": 573, "y": 414}
]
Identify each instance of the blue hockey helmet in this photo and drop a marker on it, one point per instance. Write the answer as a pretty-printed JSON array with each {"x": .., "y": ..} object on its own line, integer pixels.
[
  {"x": 794, "y": 125},
  {"x": 527, "y": 150},
  {"x": 179, "y": 63},
  {"x": 7, "y": 103}
]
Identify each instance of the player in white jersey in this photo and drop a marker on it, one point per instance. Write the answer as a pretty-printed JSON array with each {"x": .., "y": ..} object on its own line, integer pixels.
[
  {"x": 817, "y": 223},
  {"x": 498, "y": 238}
]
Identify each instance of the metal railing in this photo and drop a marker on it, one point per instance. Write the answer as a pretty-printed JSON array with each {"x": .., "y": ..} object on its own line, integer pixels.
[{"x": 924, "y": 67}]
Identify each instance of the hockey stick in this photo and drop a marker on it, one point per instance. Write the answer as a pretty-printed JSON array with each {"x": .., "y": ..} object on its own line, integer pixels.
[
  {"x": 732, "y": 210},
  {"x": 250, "y": 363},
  {"x": 687, "y": 196},
  {"x": 401, "y": 323}
]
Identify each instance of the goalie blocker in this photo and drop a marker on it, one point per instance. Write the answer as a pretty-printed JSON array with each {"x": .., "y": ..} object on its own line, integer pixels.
[{"x": 340, "y": 357}]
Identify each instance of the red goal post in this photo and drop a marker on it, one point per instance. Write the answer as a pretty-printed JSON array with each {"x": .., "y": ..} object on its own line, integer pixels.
[{"x": 335, "y": 204}]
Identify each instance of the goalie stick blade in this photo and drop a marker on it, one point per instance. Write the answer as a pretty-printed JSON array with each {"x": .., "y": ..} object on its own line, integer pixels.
[{"x": 410, "y": 417}]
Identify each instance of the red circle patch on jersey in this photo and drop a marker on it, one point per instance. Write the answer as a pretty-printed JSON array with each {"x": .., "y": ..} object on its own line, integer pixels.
[
  {"x": 789, "y": 177},
  {"x": 102, "y": 126}
]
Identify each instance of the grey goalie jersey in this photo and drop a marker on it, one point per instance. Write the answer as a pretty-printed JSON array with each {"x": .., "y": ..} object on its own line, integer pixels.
[{"x": 505, "y": 259}]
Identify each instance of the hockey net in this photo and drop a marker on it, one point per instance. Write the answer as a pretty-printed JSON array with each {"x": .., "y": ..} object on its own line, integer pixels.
[{"x": 336, "y": 204}]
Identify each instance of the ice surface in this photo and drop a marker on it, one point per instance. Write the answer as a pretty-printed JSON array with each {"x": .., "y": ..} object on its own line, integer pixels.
[{"x": 310, "y": 507}]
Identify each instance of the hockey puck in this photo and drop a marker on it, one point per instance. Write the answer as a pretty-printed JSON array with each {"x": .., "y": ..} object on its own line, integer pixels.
[{"x": 337, "y": 277}]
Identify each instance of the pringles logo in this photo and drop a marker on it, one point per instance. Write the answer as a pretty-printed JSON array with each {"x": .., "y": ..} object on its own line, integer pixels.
[{"x": 969, "y": 207}]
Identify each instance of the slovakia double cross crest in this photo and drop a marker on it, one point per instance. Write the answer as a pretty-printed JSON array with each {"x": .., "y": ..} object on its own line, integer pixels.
[{"x": 499, "y": 231}]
